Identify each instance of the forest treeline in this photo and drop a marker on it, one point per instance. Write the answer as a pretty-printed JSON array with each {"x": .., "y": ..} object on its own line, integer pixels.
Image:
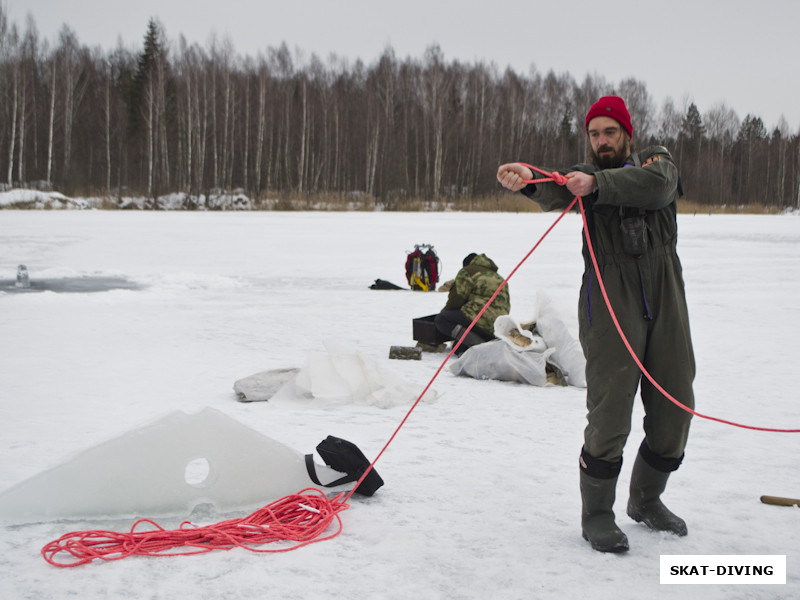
[{"x": 176, "y": 117}]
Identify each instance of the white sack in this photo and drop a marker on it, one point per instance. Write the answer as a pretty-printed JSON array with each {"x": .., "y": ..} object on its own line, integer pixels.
[
  {"x": 568, "y": 354},
  {"x": 522, "y": 355},
  {"x": 498, "y": 360},
  {"x": 508, "y": 330}
]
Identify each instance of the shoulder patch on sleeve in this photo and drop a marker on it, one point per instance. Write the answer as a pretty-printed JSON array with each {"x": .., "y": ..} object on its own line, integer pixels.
[{"x": 651, "y": 160}]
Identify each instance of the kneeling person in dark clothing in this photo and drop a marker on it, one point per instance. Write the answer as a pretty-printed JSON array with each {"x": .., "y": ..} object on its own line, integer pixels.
[{"x": 474, "y": 284}]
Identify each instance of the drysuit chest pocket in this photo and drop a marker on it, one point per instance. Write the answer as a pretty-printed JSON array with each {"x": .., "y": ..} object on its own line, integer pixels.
[{"x": 633, "y": 230}]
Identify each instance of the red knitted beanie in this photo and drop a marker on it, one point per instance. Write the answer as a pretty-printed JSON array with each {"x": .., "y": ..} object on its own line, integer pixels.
[{"x": 614, "y": 107}]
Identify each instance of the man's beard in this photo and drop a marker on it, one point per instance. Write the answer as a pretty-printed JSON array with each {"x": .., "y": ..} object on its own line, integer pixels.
[{"x": 611, "y": 161}]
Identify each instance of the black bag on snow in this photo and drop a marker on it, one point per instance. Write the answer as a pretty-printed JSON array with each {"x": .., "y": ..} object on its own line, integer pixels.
[{"x": 345, "y": 457}]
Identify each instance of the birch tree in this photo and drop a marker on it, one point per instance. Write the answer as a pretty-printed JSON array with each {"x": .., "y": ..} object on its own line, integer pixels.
[{"x": 11, "y": 59}]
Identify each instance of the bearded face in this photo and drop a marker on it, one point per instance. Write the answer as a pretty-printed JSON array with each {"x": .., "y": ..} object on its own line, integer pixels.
[
  {"x": 610, "y": 144},
  {"x": 610, "y": 157}
]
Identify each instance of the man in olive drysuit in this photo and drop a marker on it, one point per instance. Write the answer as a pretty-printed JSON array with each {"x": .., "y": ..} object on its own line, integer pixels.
[{"x": 629, "y": 199}]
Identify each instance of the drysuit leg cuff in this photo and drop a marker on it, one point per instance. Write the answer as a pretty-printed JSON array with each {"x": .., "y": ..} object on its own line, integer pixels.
[
  {"x": 659, "y": 463},
  {"x": 600, "y": 469}
]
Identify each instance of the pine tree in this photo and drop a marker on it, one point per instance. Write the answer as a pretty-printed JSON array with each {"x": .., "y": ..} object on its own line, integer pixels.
[
  {"x": 752, "y": 130},
  {"x": 146, "y": 62},
  {"x": 750, "y": 178},
  {"x": 690, "y": 148},
  {"x": 692, "y": 124}
]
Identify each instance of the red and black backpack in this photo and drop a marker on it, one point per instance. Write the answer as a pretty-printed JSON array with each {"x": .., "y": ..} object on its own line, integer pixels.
[{"x": 422, "y": 268}]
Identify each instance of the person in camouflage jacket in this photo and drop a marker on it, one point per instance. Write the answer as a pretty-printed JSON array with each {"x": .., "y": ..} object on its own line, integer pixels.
[
  {"x": 474, "y": 284},
  {"x": 630, "y": 204}
]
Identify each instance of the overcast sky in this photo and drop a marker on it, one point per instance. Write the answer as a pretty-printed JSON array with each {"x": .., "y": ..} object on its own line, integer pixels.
[{"x": 742, "y": 53}]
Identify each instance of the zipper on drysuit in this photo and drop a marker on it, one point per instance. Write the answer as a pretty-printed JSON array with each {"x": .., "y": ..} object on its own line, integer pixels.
[
  {"x": 633, "y": 161},
  {"x": 647, "y": 315}
]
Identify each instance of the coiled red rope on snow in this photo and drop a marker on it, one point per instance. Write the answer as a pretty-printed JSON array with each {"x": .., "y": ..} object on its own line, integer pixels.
[{"x": 300, "y": 518}]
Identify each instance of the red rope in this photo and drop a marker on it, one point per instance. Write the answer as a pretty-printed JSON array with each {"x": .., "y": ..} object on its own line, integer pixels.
[
  {"x": 291, "y": 518},
  {"x": 468, "y": 329},
  {"x": 548, "y": 176},
  {"x": 561, "y": 180},
  {"x": 300, "y": 518},
  {"x": 639, "y": 364}
]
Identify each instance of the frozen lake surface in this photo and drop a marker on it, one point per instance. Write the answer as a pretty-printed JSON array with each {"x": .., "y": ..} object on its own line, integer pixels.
[{"x": 481, "y": 496}]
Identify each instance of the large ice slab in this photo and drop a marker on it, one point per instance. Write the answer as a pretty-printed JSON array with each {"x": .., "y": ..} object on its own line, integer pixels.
[{"x": 165, "y": 468}]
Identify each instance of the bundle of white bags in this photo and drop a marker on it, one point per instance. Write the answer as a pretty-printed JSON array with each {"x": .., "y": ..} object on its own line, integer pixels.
[{"x": 539, "y": 351}]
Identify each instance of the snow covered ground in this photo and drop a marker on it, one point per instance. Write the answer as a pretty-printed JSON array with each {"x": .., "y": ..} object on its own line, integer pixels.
[{"x": 481, "y": 497}]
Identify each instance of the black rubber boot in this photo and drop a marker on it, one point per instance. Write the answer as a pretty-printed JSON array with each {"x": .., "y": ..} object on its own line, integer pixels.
[
  {"x": 645, "y": 506},
  {"x": 472, "y": 339},
  {"x": 597, "y": 515}
]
